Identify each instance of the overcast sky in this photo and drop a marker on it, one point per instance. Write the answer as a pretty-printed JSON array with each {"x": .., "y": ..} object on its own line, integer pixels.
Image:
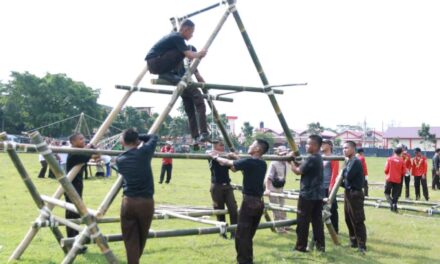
[{"x": 377, "y": 60}]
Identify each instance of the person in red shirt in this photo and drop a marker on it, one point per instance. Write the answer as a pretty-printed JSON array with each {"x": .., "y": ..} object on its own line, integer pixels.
[
  {"x": 408, "y": 164},
  {"x": 361, "y": 157},
  {"x": 394, "y": 170},
  {"x": 331, "y": 171},
  {"x": 167, "y": 163},
  {"x": 419, "y": 169}
]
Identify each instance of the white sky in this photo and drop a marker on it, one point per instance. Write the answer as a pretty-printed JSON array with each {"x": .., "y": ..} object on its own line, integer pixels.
[{"x": 377, "y": 60}]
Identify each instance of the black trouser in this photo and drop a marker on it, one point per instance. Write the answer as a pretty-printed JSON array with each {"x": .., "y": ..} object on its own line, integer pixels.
[
  {"x": 72, "y": 215},
  {"x": 435, "y": 180},
  {"x": 167, "y": 62},
  {"x": 221, "y": 195},
  {"x": 136, "y": 216},
  {"x": 168, "y": 168},
  {"x": 365, "y": 188},
  {"x": 251, "y": 210},
  {"x": 393, "y": 189},
  {"x": 355, "y": 217},
  {"x": 334, "y": 212},
  {"x": 44, "y": 169},
  {"x": 309, "y": 211},
  {"x": 407, "y": 181},
  {"x": 193, "y": 102},
  {"x": 417, "y": 181}
]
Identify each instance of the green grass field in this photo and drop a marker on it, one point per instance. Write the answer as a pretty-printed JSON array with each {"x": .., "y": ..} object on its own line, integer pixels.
[{"x": 392, "y": 238}]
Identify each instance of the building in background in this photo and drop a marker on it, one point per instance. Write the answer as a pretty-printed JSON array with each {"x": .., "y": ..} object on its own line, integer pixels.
[{"x": 409, "y": 136}]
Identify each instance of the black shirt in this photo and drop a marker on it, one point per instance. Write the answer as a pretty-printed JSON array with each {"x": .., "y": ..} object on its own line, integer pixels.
[
  {"x": 353, "y": 175},
  {"x": 172, "y": 41},
  {"x": 219, "y": 173},
  {"x": 311, "y": 178},
  {"x": 254, "y": 171},
  {"x": 135, "y": 167},
  {"x": 72, "y": 161}
]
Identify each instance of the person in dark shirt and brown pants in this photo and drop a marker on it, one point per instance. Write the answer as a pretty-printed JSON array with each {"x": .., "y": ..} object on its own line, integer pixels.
[
  {"x": 310, "y": 196},
  {"x": 137, "y": 207},
  {"x": 221, "y": 190},
  {"x": 353, "y": 181},
  {"x": 77, "y": 140},
  {"x": 251, "y": 209}
]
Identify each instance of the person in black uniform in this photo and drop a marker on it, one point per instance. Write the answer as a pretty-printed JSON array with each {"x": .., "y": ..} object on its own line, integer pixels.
[
  {"x": 310, "y": 196},
  {"x": 221, "y": 190},
  {"x": 166, "y": 59},
  {"x": 353, "y": 181},
  {"x": 77, "y": 140},
  {"x": 251, "y": 209},
  {"x": 137, "y": 206}
]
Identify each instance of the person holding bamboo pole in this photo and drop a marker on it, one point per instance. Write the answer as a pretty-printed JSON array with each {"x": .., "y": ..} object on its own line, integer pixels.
[
  {"x": 221, "y": 190},
  {"x": 353, "y": 182},
  {"x": 77, "y": 140},
  {"x": 166, "y": 55},
  {"x": 137, "y": 206},
  {"x": 310, "y": 196},
  {"x": 251, "y": 209}
]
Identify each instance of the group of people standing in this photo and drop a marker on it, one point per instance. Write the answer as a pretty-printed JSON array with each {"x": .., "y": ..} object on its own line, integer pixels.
[{"x": 400, "y": 167}]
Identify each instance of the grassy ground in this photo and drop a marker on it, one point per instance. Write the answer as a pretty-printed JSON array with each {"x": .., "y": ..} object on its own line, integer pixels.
[{"x": 392, "y": 238}]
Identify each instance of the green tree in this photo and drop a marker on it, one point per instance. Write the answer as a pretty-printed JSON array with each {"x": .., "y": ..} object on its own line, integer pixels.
[
  {"x": 248, "y": 131},
  {"x": 315, "y": 128},
  {"x": 33, "y": 102},
  {"x": 427, "y": 137}
]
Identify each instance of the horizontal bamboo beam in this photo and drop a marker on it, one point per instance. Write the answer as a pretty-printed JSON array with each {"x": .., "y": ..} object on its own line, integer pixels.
[
  {"x": 31, "y": 148},
  {"x": 277, "y": 207},
  {"x": 194, "y": 219},
  {"x": 211, "y": 86},
  {"x": 164, "y": 91},
  {"x": 189, "y": 232}
]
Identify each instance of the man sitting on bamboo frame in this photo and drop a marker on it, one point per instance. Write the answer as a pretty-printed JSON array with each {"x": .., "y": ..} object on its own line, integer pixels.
[{"x": 166, "y": 59}]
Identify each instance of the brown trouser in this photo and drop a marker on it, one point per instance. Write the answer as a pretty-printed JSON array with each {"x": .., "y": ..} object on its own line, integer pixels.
[
  {"x": 355, "y": 217},
  {"x": 136, "y": 216},
  {"x": 309, "y": 211},
  {"x": 221, "y": 195},
  {"x": 193, "y": 102},
  {"x": 249, "y": 217}
]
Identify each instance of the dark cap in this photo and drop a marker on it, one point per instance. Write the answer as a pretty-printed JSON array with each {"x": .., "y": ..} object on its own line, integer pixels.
[{"x": 417, "y": 150}]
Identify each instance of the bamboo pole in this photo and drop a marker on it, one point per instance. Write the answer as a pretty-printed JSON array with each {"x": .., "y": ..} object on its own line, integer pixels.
[
  {"x": 164, "y": 91},
  {"x": 65, "y": 205},
  {"x": 38, "y": 202},
  {"x": 32, "y": 148},
  {"x": 92, "y": 227},
  {"x": 190, "y": 232},
  {"x": 269, "y": 91},
  {"x": 159, "y": 120},
  {"x": 194, "y": 219},
  {"x": 212, "y": 86},
  {"x": 179, "y": 19},
  {"x": 103, "y": 128}
]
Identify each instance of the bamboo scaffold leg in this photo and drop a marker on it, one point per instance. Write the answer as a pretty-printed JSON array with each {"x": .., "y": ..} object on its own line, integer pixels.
[
  {"x": 99, "y": 134},
  {"x": 91, "y": 229},
  {"x": 38, "y": 202}
]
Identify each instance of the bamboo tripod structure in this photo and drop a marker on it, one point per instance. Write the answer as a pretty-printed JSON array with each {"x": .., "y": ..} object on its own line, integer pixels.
[{"x": 91, "y": 218}]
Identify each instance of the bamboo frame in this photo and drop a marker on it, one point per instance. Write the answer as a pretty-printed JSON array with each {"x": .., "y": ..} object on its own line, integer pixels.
[
  {"x": 212, "y": 86},
  {"x": 190, "y": 232},
  {"x": 165, "y": 91}
]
